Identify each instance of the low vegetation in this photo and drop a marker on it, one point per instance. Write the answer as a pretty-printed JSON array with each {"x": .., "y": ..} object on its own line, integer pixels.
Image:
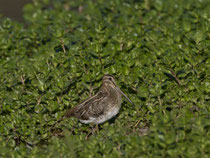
[{"x": 158, "y": 51}]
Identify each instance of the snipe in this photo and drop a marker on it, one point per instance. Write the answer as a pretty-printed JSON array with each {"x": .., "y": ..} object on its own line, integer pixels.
[{"x": 101, "y": 107}]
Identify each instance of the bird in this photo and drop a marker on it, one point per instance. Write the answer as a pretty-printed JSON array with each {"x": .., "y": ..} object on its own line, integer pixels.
[{"x": 101, "y": 107}]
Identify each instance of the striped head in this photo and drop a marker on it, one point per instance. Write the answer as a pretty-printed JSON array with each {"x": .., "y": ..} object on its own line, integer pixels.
[{"x": 108, "y": 80}]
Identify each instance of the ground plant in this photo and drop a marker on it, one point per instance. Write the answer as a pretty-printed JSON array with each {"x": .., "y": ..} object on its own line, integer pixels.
[{"x": 158, "y": 51}]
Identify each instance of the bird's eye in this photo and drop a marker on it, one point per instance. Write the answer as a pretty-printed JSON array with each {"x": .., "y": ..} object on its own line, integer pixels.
[{"x": 110, "y": 78}]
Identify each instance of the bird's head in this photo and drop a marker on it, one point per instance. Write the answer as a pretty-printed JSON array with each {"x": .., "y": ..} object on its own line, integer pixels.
[{"x": 108, "y": 80}]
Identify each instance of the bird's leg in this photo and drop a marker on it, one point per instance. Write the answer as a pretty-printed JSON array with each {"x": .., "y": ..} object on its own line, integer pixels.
[
  {"x": 90, "y": 132},
  {"x": 96, "y": 129},
  {"x": 93, "y": 130}
]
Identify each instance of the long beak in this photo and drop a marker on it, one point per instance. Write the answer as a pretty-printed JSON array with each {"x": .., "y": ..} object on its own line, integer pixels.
[{"x": 124, "y": 95}]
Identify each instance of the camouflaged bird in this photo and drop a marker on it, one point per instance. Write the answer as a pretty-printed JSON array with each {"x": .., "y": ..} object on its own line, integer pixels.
[{"x": 104, "y": 105}]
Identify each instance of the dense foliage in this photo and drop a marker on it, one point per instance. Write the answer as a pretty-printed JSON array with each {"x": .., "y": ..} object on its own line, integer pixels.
[{"x": 157, "y": 50}]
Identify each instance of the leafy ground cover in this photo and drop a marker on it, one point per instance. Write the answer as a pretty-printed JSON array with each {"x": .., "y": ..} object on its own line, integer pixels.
[{"x": 158, "y": 51}]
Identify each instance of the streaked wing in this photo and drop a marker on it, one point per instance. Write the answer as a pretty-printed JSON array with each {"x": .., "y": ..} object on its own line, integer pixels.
[{"x": 88, "y": 108}]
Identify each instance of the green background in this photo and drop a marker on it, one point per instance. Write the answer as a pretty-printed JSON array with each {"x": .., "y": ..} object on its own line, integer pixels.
[{"x": 158, "y": 51}]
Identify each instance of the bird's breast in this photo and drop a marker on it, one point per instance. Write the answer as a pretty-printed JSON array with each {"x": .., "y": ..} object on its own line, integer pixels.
[
  {"x": 115, "y": 97},
  {"x": 107, "y": 115}
]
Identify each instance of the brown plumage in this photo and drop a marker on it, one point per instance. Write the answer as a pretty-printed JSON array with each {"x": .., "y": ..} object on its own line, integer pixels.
[{"x": 101, "y": 107}]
